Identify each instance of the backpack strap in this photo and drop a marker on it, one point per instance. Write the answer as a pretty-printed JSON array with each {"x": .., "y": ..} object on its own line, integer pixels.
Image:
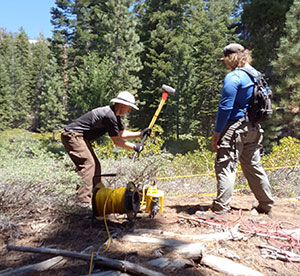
[
  {"x": 250, "y": 73},
  {"x": 253, "y": 76}
]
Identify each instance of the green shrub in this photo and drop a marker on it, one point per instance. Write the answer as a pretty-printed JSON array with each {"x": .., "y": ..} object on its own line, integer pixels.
[
  {"x": 192, "y": 172},
  {"x": 283, "y": 167},
  {"x": 185, "y": 144},
  {"x": 198, "y": 162},
  {"x": 30, "y": 174},
  {"x": 287, "y": 153}
]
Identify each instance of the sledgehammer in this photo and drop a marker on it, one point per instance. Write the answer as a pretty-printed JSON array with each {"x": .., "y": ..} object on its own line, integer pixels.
[{"x": 167, "y": 90}]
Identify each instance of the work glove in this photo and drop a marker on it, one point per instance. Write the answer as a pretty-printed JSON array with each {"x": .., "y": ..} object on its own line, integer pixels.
[
  {"x": 138, "y": 147},
  {"x": 147, "y": 131}
]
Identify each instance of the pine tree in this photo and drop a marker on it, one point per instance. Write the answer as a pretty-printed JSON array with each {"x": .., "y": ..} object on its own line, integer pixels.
[
  {"x": 40, "y": 59},
  {"x": 210, "y": 31},
  {"x": 183, "y": 40},
  {"x": 6, "y": 99},
  {"x": 52, "y": 113},
  {"x": 63, "y": 23},
  {"x": 262, "y": 23},
  {"x": 262, "y": 26},
  {"x": 286, "y": 66},
  {"x": 90, "y": 85},
  {"x": 104, "y": 27},
  {"x": 21, "y": 78},
  {"x": 114, "y": 25},
  {"x": 6, "y": 107},
  {"x": 15, "y": 55},
  {"x": 164, "y": 59},
  {"x": 73, "y": 26}
]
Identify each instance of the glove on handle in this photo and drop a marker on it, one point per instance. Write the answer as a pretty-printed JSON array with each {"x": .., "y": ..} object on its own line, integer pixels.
[
  {"x": 138, "y": 147},
  {"x": 146, "y": 132}
]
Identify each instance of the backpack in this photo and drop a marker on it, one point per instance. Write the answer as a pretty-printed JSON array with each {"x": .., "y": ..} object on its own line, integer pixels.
[{"x": 260, "y": 106}]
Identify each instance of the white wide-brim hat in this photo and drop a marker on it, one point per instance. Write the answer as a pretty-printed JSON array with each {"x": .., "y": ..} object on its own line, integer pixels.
[{"x": 126, "y": 98}]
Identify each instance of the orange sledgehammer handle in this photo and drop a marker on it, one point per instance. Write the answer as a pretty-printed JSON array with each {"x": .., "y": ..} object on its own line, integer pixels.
[
  {"x": 154, "y": 118},
  {"x": 161, "y": 104},
  {"x": 167, "y": 90}
]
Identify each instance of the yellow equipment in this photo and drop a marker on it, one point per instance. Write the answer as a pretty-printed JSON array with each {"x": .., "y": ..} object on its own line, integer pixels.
[
  {"x": 122, "y": 200},
  {"x": 154, "y": 201}
]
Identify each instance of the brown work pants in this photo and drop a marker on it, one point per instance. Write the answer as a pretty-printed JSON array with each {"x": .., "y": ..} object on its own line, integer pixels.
[{"x": 87, "y": 164}]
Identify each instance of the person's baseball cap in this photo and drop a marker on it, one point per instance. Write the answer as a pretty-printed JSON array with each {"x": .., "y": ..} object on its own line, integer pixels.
[
  {"x": 126, "y": 98},
  {"x": 233, "y": 48}
]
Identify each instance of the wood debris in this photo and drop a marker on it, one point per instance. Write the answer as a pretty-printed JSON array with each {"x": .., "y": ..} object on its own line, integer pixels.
[
  {"x": 170, "y": 264},
  {"x": 42, "y": 266},
  {"x": 186, "y": 249},
  {"x": 228, "y": 267},
  {"x": 123, "y": 266},
  {"x": 231, "y": 234},
  {"x": 268, "y": 251}
]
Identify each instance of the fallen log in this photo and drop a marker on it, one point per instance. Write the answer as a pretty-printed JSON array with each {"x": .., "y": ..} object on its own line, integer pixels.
[
  {"x": 170, "y": 264},
  {"x": 157, "y": 241},
  {"x": 42, "y": 266},
  {"x": 232, "y": 234},
  {"x": 228, "y": 267},
  {"x": 189, "y": 250},
  {"x": 124, "y": 266}
]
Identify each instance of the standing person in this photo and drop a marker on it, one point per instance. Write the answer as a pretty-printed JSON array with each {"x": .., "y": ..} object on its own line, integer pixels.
[
  {"x": 77, "y": 136},
  {"x": 235, "y": 138}
]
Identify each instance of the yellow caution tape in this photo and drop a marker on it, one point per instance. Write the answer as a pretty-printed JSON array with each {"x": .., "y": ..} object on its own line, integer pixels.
[{"x": 212, "y": 173}]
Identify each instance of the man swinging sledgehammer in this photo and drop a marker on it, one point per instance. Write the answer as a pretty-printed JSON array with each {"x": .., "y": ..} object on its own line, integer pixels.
[
  {"x": 77, "y": 136},
  {"x": 124, "y": 200}
]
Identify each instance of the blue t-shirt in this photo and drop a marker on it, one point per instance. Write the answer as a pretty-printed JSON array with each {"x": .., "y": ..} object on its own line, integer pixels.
[{"x": 236, "y": 94}]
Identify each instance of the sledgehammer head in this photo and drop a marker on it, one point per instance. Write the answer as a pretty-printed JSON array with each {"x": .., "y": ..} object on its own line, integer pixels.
[{"x": 168, "y": 89}]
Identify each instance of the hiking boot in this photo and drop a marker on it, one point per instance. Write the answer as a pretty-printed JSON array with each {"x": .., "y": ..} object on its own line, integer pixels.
[
  {"x": 211, "y": 214},
  {"x": 258, "y": 210}
]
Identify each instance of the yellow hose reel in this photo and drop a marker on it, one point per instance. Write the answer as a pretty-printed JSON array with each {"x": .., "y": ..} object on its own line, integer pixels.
[
  {"x": 122, "y": 200},
  {"x": 126, "y": 200}
]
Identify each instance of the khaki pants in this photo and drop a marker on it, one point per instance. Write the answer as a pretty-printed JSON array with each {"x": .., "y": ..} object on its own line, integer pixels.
[
  {"x": 241, "y": 141},
  {"x": 87, "y": 164}
]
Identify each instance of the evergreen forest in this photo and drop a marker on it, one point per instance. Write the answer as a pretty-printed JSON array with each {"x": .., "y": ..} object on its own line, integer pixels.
[{"x": 100, "y": 48}]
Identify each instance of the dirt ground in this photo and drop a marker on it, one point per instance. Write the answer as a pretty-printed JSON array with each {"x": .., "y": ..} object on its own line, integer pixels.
[{"x": 72, "y": 230}]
